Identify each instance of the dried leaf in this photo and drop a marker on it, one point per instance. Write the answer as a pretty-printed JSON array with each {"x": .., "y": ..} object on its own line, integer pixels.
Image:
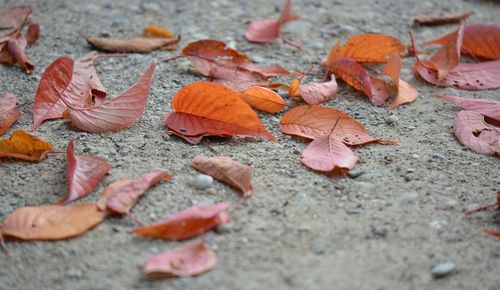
[
  {"x": 481, "y": 40},
  {"x": 138, "y": 44},
  {"x": 405, "y": 93},
  {"x": 448, "y": 56},
  {"x": 14, "y": 18},
  {"x": 157, "y": 31},
  {"x": 446, "y": 18},
  {"x": 187, "y": 260},
  {"x": 327, "y": 153},
  {"x": 263, "y": 99},
  {"x": 204, "y": 109},
  {"x": 473, "y": 132},
  {"x": 313, "y": 93},
  {"x": 84, "y": 173},
  {"x": 9, "y": 113},
  {"x": 51, "y": 222},
  {"x": 33, "y": 33},
  {"x": 352, "y": 73},
  {"x": 120, "y": 199},
  {"x": 15, "y": 47},
  {"x": 22, "y": 145},
  {"x": 187, "y": 223},
  {"x": 237, "y": 78},
  {"x": 489, "y": 108},
  {"x": 225, "y": 169},
  {"x": 118, "y": 113},
  {"x": 365, "y": 48}
]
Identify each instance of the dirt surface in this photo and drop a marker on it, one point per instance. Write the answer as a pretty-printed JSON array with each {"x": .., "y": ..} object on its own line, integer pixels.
[{"x": 385, "y": 229}]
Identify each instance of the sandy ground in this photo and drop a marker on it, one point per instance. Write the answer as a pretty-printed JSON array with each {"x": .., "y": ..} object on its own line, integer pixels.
[{"x": 385, "y": 229}]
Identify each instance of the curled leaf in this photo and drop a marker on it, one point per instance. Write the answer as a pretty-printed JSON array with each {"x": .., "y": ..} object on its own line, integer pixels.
[
  {"x": 84, "y": 173},
  {"x": 445, "y": 18},
  {"x": 190, "y": 259},
  {"x": 327, "y": 153},
  {"x": 405, "y": 93},
  {"x": 187, "y": 223},
  {"x": 119, "y": 197},
  {"x": 51, "y": 222},
  {"x": 225, "y": 169},
  {"x": 138, "y": 44},
  {"x": 157, "y": 31},
  {"x": 473, "y": 132},
  {"x": 489, "y": 108},
  {"x": 263, "y": 99},
  {"x": 9, "y": 113},
  {"x": 313, "y": 93},
  {"x": 22, "y": 145},
  {"x": 352, "y": 73}
]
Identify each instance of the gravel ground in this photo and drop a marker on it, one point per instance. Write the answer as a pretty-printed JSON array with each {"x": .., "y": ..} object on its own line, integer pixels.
[{"x": 385, "y": 229}]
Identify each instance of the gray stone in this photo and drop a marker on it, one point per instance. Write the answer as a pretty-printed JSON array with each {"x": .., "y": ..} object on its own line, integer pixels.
[
  {"x": 392, "y": 119},
  {"x": 347, "y": 29},
  {"x": 151, "y": 6},
  {"x": 203, "y": 181},
  {"x": 223, "y": 228},
  {"x": 317, "y": 45},
  {"x": 355, "y": 173},
  {"x": 443, "y": 269},
  {"x": 353, "y": 210}
]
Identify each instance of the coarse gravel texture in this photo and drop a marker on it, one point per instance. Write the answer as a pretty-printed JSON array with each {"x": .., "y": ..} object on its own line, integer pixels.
[{"x": 402, "y": 214}]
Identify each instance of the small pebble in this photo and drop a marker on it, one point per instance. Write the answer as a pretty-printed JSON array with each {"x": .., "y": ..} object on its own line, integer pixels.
[
  {"x": 317, "y": 45},
  {"x": 355, "y": 173},
  {"x": 443, "y": 269},
  {"x": 392, "y": 119},
  {"x": 203, "y": 181},
  {"x": 223, "y": 228},
  {"x": 353, "y": 210}
]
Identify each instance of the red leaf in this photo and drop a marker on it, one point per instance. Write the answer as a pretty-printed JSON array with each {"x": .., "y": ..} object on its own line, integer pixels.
[
  {"x": 121, "y": 199},
  {"x": 118, "y": 113},
  {"x": 33, "y": 33},
  {"x": 237, "y": 78},
  {"x": 489, "y": 108},
  {"x": 225, "y": 169},
  {"x": 326, "y": 153},
  {"x": 84, "y": 173},
  {"x": 9, "y": 113},
  {"x": 15, "y": 47},
  {"x": 473, "y": 132},
  {"x": 448, "y": 56},
  {"x": 352, "y": 73},
  {"x": 187, "y": 260},
  {"x": 187, "y": 223}
]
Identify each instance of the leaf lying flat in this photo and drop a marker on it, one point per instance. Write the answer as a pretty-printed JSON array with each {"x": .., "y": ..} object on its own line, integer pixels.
[
  {"x": 473, "y": 132},
  {"x": 326, "y": 153},
  {"x": 217, "y": 110},
  {"x": 446, "y": 18},
  {"x": 118, "y": 113},
  {"x": 479, "y": 39},
  {"x": 187, "y": 223},
  {"x": 263, "y": 99},
  {"x": 120, "y": 199},
  {"x": 352, "y": 73},
  {"x": 237, "y": 78},
  {"x": 22, "y": 145},
  {"x": 9, "y": 113},
  {"x": 138, "y": 44},
  {"x": 313, "y": 93},
  {"x": 13, "y": 18},
  {"x": 84, "y": 173},
  {"x": 51, "y": 222},
  {"x": 190, "y": 259},
  {"x": 489, "y": 108},
  {"x": 225, "y": 169}
]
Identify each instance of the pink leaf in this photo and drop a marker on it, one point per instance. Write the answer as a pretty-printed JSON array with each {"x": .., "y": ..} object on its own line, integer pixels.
[
  {"x": 489, "y": 108},
  {"x": 123, "y": 198},
  {"x": 118, "y": 113},
  {"x": 225, "y": 169},
  {"x": 187, "y": 260},
  {"x": 16, "y": 47},
  {"x": 84, "y": 173},
  {"x": 9, "y": 113},
  {"x": 327, "y": 153},
  {"x": 406, "y": 94},
  {"x": 317, "y": 93},
  {"x": 187, "y": 223},
  {"x": 237, "y": 78},
  {"x": 473, "y": 132},
  {"x": 263, "y": 31}
]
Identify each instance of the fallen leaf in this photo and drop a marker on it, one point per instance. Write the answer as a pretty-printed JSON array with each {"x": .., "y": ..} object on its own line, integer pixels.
[
  {"x": 492, "y": 233},
  {"x": 186, "y": 260},
  {"x": 365, "y": 48},
  {"x": 263, "y": 99},
  {"x": 9, "y": 113},
  {"x": 328, "y": 152},
  {"x": 445, "y": 18},
  {"x": 405, "y": 93},
  {"x": 84, "y": 172},
  {"x": 448, "y": 56},
  {"x": 187, "y": 223},
  {"x": 268, "y": 30},
  {"x": 22, "y": 145},
  {"x": 33, "y": 33},
  {"x": 489, "y": 108},
  {"x": 473, "y": 132},
  {"x": 66, "y": 81},
  {"x": 138, "y": 44},
  {"x": 120, "y": 199},
  {"x": 480, "y": 39},
  {"x": 51, "y": 222},
  {"x": 225, "y": 169},
  {"x": 313, "y": 93},
  {"x": 352, "y": 73},
  {"x": 495, "y": 205},
  {"x": 205, "y": 109},
  {"x": 157, "y": 31},
  {"x": 14, "y": 18},
  {"x": 237, "y": 78},
  {"x": 115, "y": 114},
  {"x": 314, "y": 121}
]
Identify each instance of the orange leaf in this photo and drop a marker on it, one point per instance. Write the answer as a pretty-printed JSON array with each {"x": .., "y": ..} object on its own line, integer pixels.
[
  {"x": 22, "y": 145},
  {"x": 448, "y": 56},
  {"x": 227, "y": 170},
  {"x": 352, "y": 73},
  {"x": 263, "y": 99},
  {"x": 51, "y": 222},
  {"x": 203, "y": 109},
  {"x": 9, "y": 113},
  {"x": 405, "y": 92},
  {"x": 365, "y": 48},
  {"x": 157, "y": 31},
  {"x": 187, "y": 223},
  {"x": 446, "y": 18}
]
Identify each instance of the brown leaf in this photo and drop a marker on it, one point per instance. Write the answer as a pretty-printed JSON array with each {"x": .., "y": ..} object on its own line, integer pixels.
[
  {"x": 22, "y": 145},
  {"x": 445, "y": 18},
  {"x": 225, "y": 169},
  {"x": 138, "y": 44}
]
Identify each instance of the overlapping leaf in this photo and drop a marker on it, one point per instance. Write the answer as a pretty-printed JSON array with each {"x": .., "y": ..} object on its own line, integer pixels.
[
  {"x": 263, "y": 99},
  {"x": 22, "y": 145},
  {"x": 473, "y": 132},
  {"x": 352, "y": 73},
  {"x": 326, "y": 153},
  {"x": 405, "y": 93},
  {"x": 9, "y": 113},
  {"x": 313, "y": 93},
  {"x": 187, "y": 223},
  {"x": 489, "y": 108}
]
